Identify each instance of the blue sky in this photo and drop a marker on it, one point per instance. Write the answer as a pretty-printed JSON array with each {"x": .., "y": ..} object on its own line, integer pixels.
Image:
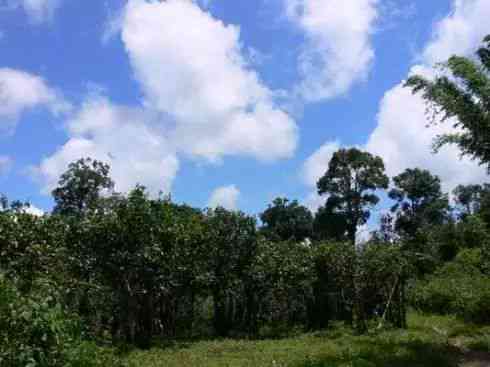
[{"x": 222, "y": 102}]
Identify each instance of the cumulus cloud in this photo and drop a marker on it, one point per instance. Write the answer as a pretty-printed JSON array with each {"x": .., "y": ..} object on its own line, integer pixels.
[
  {"x": 313, "y": 169},
  {"x": 316, "y": 165},
  {"x": 126, "y": 138},
  {"x": 191, "y": 66},
  {"x": 401, "y": 136},
  {"x": 21, "y": 91},
  {"x": 338, "y": 50},
  {"x": 5, "y": 164},
  {"x": 226, "y": 197},
  {"x": 459, "y": 32},
  {"x": 201, "y": 99}
]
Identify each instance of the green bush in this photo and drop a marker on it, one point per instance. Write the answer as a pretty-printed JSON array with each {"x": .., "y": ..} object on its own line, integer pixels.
[
  {"x": 459, "y": 287},
  {"x": 35, "y": 331}
]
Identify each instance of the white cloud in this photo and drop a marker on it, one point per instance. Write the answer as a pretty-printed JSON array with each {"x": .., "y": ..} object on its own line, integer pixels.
[
  {"x": 5, "y": 164},
  {"x": 313, "y": 169},
  {"x": 191, "y": 66},
  {"x": 402, "y": 137},
  {"x": 338, "y": 51},
  {"x": 202, "y": 99},
  {"x": 33, "y": 210},
  {"x": 313, "y": 201},
  {"x": 20, "y": 91},
  {"x": 226, "y": 197},
  {"x": 460, "y": 32},
  {"x": 316, "y": 165},
  {"x": 126, "y": 138}
]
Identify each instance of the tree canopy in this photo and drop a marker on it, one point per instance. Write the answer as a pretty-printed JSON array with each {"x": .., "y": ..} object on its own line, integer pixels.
[
  {"x": 286, "y": 220},
  {"x": 351, "y": 181},
  {"x": 80, "y": 187},
  {"x": 419, "y": 201}
]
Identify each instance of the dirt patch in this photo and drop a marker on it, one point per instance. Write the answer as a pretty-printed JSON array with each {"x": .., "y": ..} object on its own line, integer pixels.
[{"x": 470, "y": 358}]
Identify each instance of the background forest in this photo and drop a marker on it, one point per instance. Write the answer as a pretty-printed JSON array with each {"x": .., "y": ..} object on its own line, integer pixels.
[{"x": 105, "y": 271}]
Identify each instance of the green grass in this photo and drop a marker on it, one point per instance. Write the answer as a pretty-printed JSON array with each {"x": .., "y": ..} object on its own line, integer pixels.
[{"x": 430, "y": 341}]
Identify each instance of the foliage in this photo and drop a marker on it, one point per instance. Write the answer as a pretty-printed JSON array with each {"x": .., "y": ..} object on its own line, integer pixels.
[
  {"x": 133, "y": 269},
  {"x": 232, "y": 246},
  {"x": 469, "y": 198},
  {"x": 459, "y": 288},
  {"x": 80, "y": 187},
  {"x": 329, "y": 225},
  {"x": 419, "y": 201},
  {"x": 36, "y": 331},
  {"x": 287, "y": 221},
  {"x": 461, "y": 95}
]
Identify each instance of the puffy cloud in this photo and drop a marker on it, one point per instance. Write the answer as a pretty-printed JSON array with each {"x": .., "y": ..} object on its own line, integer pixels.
[
  {"x": 338, "y": 50},
  {"x": 226, "y": 197},
  {"x": 201, "y": 99},
  {"x": 126, "y": 138},
  {"x": 191, "y": 66},
  {"x": 313, "y": 169},
  {"x": 459, "y": 32},
  {"x": 316, "y": 165},
  {"x": 21, "y": 91},
  {"x": 313, "y": 201},
  {"x": 402, "y": 137},
  {"x": 5, "y": 164}
]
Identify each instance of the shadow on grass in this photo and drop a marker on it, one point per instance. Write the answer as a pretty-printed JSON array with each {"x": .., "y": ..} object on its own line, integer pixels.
[{"x": 384, "y": 354}]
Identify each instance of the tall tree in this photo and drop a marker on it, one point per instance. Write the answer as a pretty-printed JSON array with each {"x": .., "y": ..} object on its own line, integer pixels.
[
  {"x": 80, "y": 187},
  {"x": 419, "y": 201},
  {"x": 286, "y": 220},
  {"x": 464, "y": 94},
  {"x": 351, "y": 181}
]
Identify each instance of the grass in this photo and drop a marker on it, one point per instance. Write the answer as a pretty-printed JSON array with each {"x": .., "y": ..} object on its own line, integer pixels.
[{"x": 430, "y": 341}]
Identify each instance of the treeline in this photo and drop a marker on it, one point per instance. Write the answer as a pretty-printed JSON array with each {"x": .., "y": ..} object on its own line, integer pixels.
[{"x": 104, "y": 267}]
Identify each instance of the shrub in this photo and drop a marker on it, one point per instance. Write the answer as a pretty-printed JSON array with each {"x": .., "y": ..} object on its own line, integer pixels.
[
  {"x": 459, "y": 287},
  {"x": 35, "y": 331}
]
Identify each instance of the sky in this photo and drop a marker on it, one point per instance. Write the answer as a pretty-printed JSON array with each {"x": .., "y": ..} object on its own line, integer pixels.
[{"x": 218, "y": 102}]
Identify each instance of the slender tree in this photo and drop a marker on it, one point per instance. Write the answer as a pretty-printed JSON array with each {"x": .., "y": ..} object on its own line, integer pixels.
[{"x": 351, "y": 181}]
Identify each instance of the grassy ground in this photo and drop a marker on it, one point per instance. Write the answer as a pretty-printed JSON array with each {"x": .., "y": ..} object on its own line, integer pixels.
[{"x": 430, "y": 341}]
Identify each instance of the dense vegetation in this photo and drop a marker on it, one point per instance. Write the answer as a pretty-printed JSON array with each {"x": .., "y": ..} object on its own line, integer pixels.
[{"x": 106, "y": 269}]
